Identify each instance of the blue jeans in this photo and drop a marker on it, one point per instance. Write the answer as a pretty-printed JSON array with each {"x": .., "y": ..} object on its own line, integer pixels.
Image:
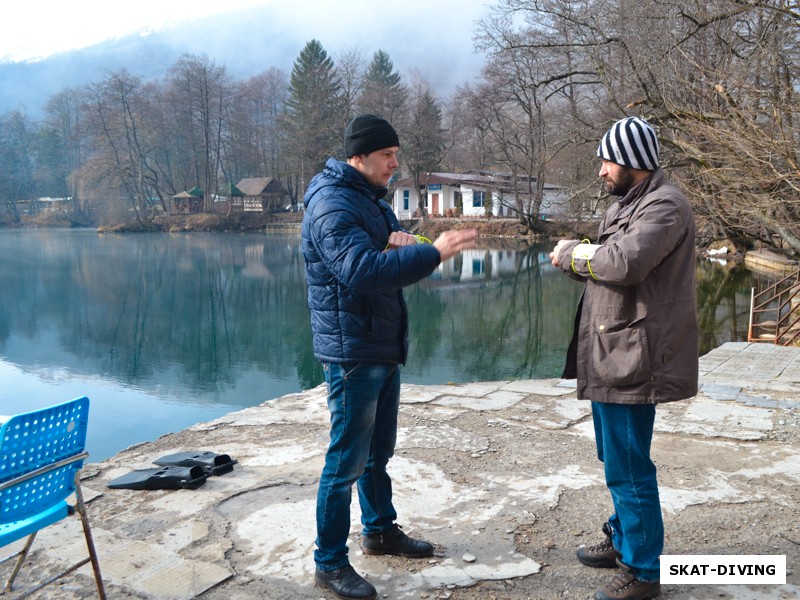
[
  {"x": 623, "y": 433},
  {"x": 363, "y": 400}
]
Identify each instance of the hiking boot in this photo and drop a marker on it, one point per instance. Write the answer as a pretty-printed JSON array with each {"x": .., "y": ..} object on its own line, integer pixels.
[
  {"x": 602, "y": 555},
  {"x": 625, "y": 586},
  {"x": 345, "y": 583},
  {"x": 394, "y": 541}
]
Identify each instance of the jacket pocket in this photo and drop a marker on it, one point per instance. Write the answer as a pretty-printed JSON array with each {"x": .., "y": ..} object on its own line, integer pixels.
[
  {"x": 368, "y": 323},
  {"x": 619, "y": 351}
]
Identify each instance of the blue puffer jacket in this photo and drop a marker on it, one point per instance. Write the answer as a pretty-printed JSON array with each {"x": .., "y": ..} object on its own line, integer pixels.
[{"x": 358, "y": 313}]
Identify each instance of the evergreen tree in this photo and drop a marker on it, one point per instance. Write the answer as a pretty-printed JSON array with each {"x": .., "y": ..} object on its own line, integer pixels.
[
  {"x": 384, "y": 94},
  {"x": 423, "y": 142},
  {"x": 16, "y": 161},
  {"x": 51, "y": 172},
  {"x": 312, "y": 122},
  {"x": 64, "y": 122}
]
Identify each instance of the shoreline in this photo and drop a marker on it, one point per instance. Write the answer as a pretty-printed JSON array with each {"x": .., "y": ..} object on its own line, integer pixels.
[{"x": 509, "y": 231}]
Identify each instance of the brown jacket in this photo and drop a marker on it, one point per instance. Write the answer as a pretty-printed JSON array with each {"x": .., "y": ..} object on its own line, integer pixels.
[{"x": 636, "y": 335}]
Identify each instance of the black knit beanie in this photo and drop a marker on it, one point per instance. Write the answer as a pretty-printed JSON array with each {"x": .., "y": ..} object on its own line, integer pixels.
[{"x": 367, "y": 133}]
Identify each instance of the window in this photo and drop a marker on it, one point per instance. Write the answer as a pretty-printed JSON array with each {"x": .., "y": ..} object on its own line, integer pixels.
[
  {"x": 478, "y": 198},
  {"x": 405, "y": 199}
]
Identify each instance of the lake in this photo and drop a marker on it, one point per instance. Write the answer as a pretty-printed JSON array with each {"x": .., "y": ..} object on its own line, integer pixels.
[{"x": 162, "y": 331}]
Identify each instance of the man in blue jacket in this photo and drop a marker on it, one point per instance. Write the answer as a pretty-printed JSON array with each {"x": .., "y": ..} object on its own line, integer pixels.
[{"x": 357, "y": 260}]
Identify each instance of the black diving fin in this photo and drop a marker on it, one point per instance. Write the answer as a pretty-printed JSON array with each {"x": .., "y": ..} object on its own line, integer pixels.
[
  {"x": 211, "y": 463},
  {"x": 163, "y": 478}
]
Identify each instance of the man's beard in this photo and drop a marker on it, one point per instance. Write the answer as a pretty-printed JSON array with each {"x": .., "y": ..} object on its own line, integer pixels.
[{"x": 621, "y": 187}]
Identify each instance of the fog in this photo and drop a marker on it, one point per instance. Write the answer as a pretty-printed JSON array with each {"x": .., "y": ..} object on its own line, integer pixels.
[{"x": 427, "y": 41}]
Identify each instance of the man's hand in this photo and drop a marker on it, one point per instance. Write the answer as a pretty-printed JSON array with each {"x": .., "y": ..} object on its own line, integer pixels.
[
  {"x": 557, "y": 250},
  {"x": 400, "y": 238},
  {"x": 454, "y": 241}
]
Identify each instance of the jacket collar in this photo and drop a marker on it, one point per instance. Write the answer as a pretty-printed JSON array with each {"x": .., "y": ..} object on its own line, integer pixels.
[
  {"x": 339, "y": 173},
  {"x": 351, "y": 176},
  {"x": 644, "y": 187},
  {"x": 628, "y": 204}
]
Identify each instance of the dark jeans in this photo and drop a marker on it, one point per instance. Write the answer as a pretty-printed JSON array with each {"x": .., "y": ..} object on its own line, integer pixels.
[
  {"x": 623, "y": 433},
  {"x": 363, "y": 400}
]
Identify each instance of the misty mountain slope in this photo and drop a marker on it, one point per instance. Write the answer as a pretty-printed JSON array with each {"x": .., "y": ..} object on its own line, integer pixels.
[
  {"x": 27, "y": 86},
  {"x": 247, "y": 42}
]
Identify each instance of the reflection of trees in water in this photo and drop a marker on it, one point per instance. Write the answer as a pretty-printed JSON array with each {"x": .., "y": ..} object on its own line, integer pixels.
[
  {"x": 723, "y": 303},
  {"x": 204, "y": 308},
  {"x": 133, "y": 307},
  {"x": 519, "y": 325},
  {"x": 516, "y": 325}
]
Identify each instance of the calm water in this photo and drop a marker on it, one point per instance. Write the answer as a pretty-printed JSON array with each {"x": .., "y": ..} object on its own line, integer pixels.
[{"x": 164, "y": 331}]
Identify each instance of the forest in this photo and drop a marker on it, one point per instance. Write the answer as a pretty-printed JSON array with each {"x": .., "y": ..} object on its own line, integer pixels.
[{"x": 718, "y": 79}]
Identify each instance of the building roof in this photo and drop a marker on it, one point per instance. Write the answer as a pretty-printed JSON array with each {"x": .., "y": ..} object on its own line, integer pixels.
[
  {"x": 231, "y": 190},
  {"x": 484, "y": 179},
  {"x": 429, "y": 178},
  {"x": 256, "y": 186}
]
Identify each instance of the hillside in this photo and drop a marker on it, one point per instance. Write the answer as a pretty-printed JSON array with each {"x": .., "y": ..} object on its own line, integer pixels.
[{"x": 246, "y": 42}]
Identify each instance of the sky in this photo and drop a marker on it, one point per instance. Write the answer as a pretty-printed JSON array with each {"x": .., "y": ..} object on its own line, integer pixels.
[
  {"x": 52, "y": 26},
  {"x": 36, "y": 29}
]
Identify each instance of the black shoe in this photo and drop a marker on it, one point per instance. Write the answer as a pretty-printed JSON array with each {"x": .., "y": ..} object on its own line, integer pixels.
[
  {"x": 625, "y": 586},
  {"x": 602, "y": 555},
  {"x": 345, "y": 583},
  {"x": 394, "y": 541}
]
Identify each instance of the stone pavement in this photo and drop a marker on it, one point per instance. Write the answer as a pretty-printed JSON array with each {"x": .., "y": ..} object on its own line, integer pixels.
[{"x": 501, "y": 476}]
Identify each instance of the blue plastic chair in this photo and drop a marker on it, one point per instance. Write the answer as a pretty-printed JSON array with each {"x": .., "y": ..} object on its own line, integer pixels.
[{"x": 41, "y": 456}]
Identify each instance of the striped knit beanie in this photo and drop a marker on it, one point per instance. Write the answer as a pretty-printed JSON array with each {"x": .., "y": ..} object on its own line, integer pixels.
[{"x": 631, "y": 143}]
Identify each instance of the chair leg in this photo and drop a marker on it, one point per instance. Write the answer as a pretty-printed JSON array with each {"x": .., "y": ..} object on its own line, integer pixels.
[
  {"x": 22, "y": 555},
  {"x": 80, "y": 508},
  {"x": 87, "y": 532}
]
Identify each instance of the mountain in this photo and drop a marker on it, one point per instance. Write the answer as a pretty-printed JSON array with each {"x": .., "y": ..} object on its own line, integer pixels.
[{"x": 247, "y": 42}]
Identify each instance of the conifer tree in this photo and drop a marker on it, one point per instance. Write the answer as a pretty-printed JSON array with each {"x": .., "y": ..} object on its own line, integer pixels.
[
  {"x": 384, "y": 93},
  {"x": 313, "y": 123},
  {"x": 423, "y": 142}
]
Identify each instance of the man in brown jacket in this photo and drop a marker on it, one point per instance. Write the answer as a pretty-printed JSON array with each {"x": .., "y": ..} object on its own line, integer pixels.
[{"x": 635, "y": 344}]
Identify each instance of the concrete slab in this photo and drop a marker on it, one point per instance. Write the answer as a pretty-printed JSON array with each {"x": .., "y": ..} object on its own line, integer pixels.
[{"x": 502, "y": 477}]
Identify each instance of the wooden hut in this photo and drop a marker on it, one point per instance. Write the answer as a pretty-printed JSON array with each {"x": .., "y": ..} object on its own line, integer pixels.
[
  {"x": 261, "y": 194},
  {"x": 188, "y": 203}
]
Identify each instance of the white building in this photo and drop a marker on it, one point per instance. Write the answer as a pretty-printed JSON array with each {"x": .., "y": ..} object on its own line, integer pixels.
[{"x": 472, "y": 192}]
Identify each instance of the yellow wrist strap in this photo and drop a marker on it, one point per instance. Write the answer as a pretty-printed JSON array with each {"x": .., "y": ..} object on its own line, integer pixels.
[
  {"x": 421, "y": 239},
  {"x": 588, "y": 262}
]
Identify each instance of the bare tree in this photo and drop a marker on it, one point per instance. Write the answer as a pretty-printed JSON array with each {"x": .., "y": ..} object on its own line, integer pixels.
[
  {"x": 252, "y": 146},
  {"x": 734, "y": 121},
  {"x": 114, "y": 115},
  {"x": 202, "y": 90},
  {"x": 65, "y": 118},
  {"x": 718, "y": 79},
  {"x": 350, "y": 69}
]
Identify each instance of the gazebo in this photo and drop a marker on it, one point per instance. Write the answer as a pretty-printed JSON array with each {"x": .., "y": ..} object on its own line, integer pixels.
[{"x": 187, "y": 203}]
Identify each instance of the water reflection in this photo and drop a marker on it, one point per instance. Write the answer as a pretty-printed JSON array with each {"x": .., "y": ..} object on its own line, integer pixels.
[
  {"x": 493, "y": 314},
  {"x": 163, "y": 331},
  {"x": 723, "y": 303},
  {"x": 189, "y": 310}
]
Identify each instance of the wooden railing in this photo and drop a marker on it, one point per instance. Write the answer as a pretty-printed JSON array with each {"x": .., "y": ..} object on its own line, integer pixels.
[{"x": 775, "y": 312}]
